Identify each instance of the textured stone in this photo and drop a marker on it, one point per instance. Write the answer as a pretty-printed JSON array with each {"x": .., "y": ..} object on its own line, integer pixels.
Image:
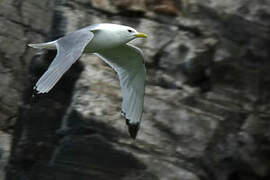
[
  {"x": 206, "y": 112},
  {"x": 166, "y": 7},
  {"x": 5, "y": 146},
  {"x": 20, "y": 22}
]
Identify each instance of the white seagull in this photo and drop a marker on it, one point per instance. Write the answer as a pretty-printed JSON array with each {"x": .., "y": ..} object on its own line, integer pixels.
[{"x": 110, "y": 43}]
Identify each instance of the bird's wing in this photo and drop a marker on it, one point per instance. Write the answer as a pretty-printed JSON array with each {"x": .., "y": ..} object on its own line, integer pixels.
[
  {"x": 128, "y": 62},
  {"x": 69, "y": 49}
]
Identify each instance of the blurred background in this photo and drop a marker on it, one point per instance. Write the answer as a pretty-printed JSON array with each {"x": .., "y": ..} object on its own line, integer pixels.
[{"x": 206, "y": 112}]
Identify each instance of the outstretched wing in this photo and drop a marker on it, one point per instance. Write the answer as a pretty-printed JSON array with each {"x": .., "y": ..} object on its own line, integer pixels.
[
  {"x": 128, "y": 62},
  {"x": 69, "y": 49}
]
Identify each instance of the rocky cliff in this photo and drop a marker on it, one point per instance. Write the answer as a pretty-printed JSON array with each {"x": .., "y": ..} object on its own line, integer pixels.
[{"x": 206, "y": 113}]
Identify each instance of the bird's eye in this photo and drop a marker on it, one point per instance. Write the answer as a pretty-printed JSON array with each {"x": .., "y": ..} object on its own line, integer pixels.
[{"x": 130, "y": 31}]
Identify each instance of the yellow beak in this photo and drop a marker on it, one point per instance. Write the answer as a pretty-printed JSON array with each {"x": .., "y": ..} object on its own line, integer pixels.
[{"x": 141, "y": 35}]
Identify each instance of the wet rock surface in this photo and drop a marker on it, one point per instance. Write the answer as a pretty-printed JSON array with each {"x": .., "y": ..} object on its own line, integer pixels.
[{"x": 206, "y": 112}]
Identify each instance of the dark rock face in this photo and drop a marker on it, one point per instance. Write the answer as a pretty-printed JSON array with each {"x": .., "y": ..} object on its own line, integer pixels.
[
  {"x": 206, "y": 113},
  {"x": 21, "y": 22}
]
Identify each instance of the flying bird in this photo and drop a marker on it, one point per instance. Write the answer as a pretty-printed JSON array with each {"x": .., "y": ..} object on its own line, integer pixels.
[{"x": 110, "y": 42}]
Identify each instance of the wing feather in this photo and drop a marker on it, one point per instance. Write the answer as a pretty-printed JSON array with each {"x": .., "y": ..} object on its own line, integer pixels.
[
  {"x": 128, "y": 62},
  {"x": 69, "y": 49}
]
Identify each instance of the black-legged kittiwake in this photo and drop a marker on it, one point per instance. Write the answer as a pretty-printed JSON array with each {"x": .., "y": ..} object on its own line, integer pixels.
[{"x": 110, "y": 42}]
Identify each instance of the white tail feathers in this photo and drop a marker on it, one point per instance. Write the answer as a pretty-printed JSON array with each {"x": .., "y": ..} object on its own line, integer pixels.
[{"x": 48, "y": 45}]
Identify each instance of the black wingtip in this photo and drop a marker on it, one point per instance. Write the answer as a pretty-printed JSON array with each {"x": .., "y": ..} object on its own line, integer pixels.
[
  {"x": 34, "y": 92},
  {"x": 132, "y": 129}
]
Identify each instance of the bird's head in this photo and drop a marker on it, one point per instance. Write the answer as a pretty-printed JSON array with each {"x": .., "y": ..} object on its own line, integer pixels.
[
  {"x": 115, "y": 34},
  {"x": 130, "y": 34},
  {"x": 126, "y": 33}
]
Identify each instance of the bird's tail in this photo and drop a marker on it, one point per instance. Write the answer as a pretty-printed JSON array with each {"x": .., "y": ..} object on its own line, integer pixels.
[{"x": 47, "y": 45}]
